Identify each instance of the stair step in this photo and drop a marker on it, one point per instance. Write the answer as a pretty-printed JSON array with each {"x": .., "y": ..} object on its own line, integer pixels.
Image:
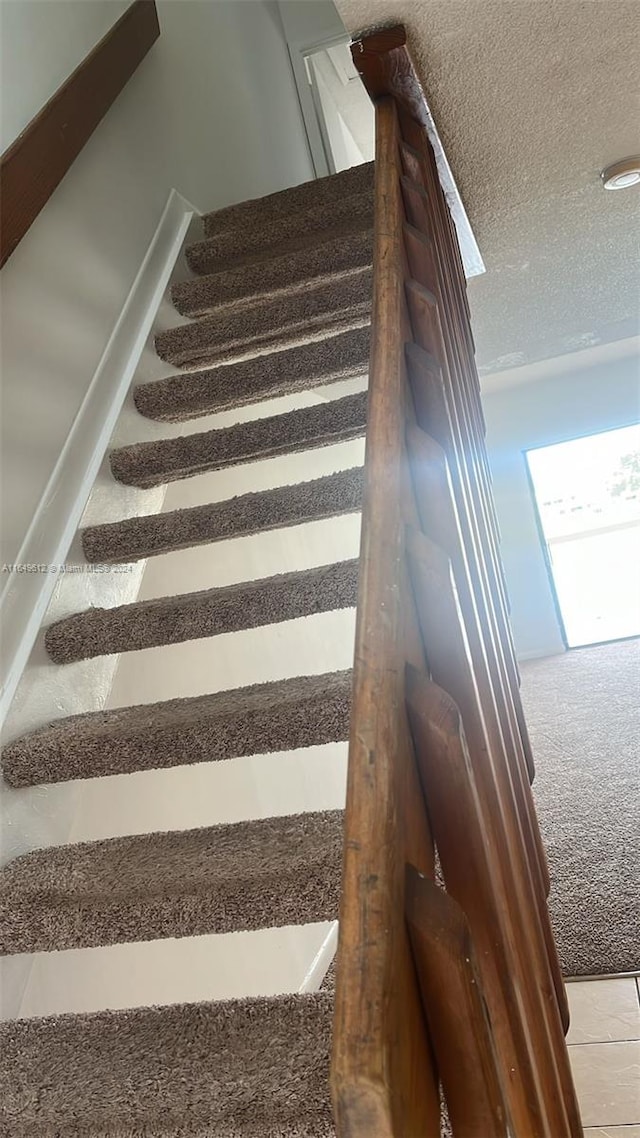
[
  {"x": 253, "y": 1068},
  {"x": 190, "y": 395},
  {"x": 293, "y": 200},
  {"x": 258, "y": 512},
  {"x": 287, "y": 235},
  {"x": 282, "y": 716},
  {"x": 336, "y": 254},
  {"x": 167, "y": 460},
  {"x": 218, "y": 879},
  {"x": 191, "y": 616},
  {"x": 304, "y": 313}
]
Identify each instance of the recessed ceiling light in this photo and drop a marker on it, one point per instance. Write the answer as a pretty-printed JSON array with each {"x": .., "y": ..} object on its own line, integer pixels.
[{"x": 622, "y": 174}]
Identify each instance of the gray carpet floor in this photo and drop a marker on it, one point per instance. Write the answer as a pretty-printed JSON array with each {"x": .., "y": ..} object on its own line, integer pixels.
[{"x": 582, "y": 710}]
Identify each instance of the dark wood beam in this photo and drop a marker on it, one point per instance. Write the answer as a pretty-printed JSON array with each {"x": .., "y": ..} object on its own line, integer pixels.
[
  {"x": 386, "y": 66},
  {"x": 39, "y": 158},
  {"x": 384, "y": 61}
]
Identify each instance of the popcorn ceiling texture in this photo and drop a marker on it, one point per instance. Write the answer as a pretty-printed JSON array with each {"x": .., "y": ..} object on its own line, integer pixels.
[{"x": 531, "y": 101}]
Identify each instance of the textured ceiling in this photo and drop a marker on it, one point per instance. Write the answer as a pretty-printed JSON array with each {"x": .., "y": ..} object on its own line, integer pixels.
[{"x": 532, "y": 98}]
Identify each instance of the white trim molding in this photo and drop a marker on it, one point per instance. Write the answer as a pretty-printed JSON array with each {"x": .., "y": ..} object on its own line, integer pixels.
[{"x": 26, "y": 594}]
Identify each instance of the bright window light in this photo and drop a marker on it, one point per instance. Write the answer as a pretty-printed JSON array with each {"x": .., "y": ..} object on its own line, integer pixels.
[{"x": 587, "y": 493}]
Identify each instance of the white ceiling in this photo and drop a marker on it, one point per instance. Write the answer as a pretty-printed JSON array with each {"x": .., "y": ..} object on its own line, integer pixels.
[{"x": 532, "y": 98}]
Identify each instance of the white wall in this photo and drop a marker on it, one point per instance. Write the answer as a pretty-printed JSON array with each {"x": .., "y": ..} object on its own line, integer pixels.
[
  {"x": 41, "y": 42},
  {"x": 310, "y": 22},
  {"x": 594, "y": 397},
  {"x": 212, "y": 110}
]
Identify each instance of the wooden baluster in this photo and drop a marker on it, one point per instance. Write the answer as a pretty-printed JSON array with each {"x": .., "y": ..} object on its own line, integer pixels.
[
  {"x": 452, "y": 994},
  {"x": 435, "y": 412},
  {"x": 447, "y": 652},
  {"x": 383, "y": 1082},
  {"x": 439, "y": 519},
  {"x": 425, "y": 317},
  {"x": 432, "y": 213}
]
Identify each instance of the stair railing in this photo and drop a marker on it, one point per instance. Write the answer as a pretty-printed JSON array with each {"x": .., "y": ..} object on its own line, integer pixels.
[{"x": 455, "y": 985}]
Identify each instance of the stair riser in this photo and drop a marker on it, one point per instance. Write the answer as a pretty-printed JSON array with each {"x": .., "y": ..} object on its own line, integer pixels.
[
  {"x": 188, "y": 731},
  {"x": 136, "y": 538},
  {"x": 168, "y": 460},
  {"x": 174, "y": 620},
  {"x": 247, "y": 283},
  {"x": 183, "y": 397}
]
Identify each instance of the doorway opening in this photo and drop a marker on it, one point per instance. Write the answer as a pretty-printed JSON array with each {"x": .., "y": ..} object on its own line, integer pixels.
[{"x": 587, "y": 495}]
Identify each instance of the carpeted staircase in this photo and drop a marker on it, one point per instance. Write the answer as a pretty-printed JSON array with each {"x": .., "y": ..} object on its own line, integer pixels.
[{"x": 281, "y": 301}]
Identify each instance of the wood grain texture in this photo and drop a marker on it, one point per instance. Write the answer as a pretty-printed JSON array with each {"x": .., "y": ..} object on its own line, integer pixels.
[
  {"x": 453, "y": 999},
  {"x": 440, "y": 522},
  {"x": 384, "y": 61},
  {"x": 39, "y": 158},
  {"x": 467, "y": 851},
  {"x": 427, "y": 210},
  {"x": 451, "y": 666},
  {"x": 383, "y": 1083}
]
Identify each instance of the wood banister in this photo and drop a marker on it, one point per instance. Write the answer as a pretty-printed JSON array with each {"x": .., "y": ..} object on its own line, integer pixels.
[
  {"x": 32, "y": 167},
  {"x": 439, "y": 755}
]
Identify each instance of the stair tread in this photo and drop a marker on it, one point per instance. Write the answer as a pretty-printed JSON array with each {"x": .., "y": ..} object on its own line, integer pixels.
[
  {"x": 192, "y": 394},
  {"x": 330, "y": 255},
  {"x": 306, "y": 312},
  {"x": 211, "y": 612},
  {"x": 215, "y": 879},
  {"x": 258, "y": 512},
  {"x": 252, "y": 1068},
  {"x": 276, "y": 716},
  {"x": 292, "y": 200},
  {"x": 166, "y": 460}
]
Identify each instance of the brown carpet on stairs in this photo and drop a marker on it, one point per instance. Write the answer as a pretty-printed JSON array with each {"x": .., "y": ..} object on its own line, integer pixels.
[
  {"x": 192, "y": 394},
  {"x": 292, "y": 202},
  {"x": 281, "y": 716},
  {"x": 217, "y": 879},
  {"x": 582, "y": 711},
  {"x": 175, "y": 619},
  {"x": 254, "y": 1068},
  {"x": 289, "y": 233},
  {"x": 167, "y": 460},
  {"x": 332, "y": 255},
  {"x": 305, "y": 313},
  {"x": 147, "y": 536}
]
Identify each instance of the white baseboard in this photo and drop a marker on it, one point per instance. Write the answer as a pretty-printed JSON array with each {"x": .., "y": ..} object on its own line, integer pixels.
[
  {"x": 26, "y": 595},
  {"x": 321, "y": 961},
  {"x": 541, "y": 653}
]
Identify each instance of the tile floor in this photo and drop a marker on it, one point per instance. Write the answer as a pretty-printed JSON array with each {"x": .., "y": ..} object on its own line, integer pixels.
[{"x": 604, "y": 1048}]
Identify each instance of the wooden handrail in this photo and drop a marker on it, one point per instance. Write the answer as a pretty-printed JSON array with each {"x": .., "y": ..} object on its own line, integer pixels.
[
  {"x": 439, "y": 756},
  {"x": 32, "y": 167}
]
